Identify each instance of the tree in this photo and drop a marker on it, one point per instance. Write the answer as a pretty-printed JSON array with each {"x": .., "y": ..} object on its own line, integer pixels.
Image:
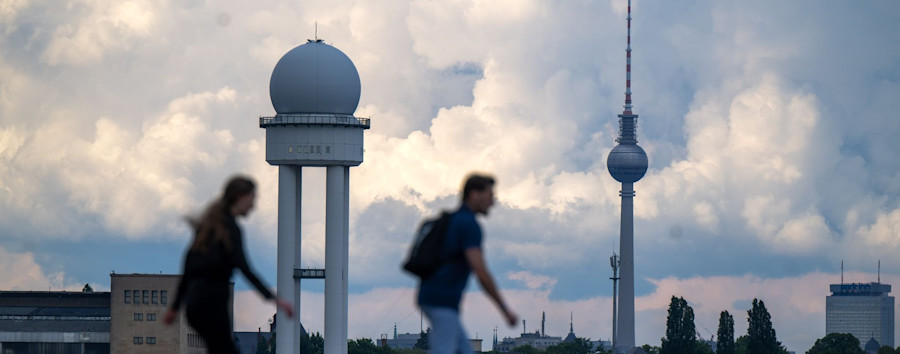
[
  {"x": 316, "y": 344},
  {"x": 725, "y": 334},
  {"x": 650, "y": 349},
  {"x": 87, "y": 288},
  {"x": 365, "y": 346},
  {"x": 680, "y": 328},
  {"x": 740, "y": 345},
  {"x": 422, "y": 343},
  {"x": 836, "y": 343},
  {"x": 309, "y": 344},
  {"x": 262, "y": 346},
  {"x": 760, "y": 334},
  {"x": 578, "y": 346},
  {"x": 887, "y": 350}
]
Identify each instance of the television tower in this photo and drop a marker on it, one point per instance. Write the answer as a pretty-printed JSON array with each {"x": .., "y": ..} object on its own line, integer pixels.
[
  {"x": 315, "y": 90},
  {"x": 627, "y": 163}
]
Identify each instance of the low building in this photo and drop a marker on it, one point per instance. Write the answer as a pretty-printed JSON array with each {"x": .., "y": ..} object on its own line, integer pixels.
[
  {"x": 138, "y": 303},
  {"x": 50, "y": 322}
]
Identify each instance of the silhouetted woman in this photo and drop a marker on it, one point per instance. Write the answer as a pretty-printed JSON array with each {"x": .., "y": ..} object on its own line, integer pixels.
[{"x": 216, "y": 251}]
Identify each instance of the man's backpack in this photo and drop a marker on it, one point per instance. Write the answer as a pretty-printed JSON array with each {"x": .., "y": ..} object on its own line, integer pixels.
[{"x": 424, "y": 256}]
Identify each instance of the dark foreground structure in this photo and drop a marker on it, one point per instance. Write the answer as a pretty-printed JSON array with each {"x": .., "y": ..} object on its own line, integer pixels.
[{"x": 54, "y": 322}]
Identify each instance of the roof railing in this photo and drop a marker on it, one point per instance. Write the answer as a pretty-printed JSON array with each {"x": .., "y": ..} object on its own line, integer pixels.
[{"x": 314, "y": 119}]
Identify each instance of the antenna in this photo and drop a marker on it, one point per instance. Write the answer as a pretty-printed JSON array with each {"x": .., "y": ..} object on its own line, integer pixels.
[
  {"x": 879, "y": 271},
  {"x": 628, "y": 66},
  {"x": 614, "y": 262},
  {"x": 317, "y": 31},
  {"x": 571, "y": 319},
  {"x": 842, "y": 272}
]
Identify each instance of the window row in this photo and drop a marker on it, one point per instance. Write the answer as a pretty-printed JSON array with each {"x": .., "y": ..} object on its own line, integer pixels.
[
  {"x": 147, "y": 296},
  {"x": 140, "y": 316},
  {"x": 140, "y": 340}
]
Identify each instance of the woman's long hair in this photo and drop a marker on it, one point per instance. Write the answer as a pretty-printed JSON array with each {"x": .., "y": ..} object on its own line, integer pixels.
[{"x": 210, "y": 228}]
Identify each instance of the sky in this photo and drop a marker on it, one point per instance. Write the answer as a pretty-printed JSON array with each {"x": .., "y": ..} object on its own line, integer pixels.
[{"x": 771, "y": 129}]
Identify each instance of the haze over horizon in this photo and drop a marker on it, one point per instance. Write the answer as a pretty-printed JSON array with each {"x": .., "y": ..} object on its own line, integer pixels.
[{"x": 770, "y": 127}]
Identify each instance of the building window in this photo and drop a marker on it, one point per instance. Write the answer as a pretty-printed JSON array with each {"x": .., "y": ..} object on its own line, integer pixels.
[
  {"x": 137, "y": 296},
  {"x": 138, "y": 317},
  {"x": 138, "y": 340},
  {"x": 154, "y": 298},
  {"x": 151, "y": 317},
  {"x": 127, "y": 296},
  {"x": 146, "y": 295},
  {"x": 163, "y": 297},
  {"x": 151, "y": 340}
]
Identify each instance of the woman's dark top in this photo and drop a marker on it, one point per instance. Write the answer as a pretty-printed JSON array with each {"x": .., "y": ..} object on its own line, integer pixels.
[{"x": 216, "y": 265}]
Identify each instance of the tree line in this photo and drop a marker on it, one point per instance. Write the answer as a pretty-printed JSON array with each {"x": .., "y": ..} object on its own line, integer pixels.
[{"x": 681, "y": 338}]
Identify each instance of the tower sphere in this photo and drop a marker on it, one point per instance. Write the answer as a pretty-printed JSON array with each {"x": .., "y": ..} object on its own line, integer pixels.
[
  {"x": 314, "y": 78},
  {"x": 627, "y": 163}
]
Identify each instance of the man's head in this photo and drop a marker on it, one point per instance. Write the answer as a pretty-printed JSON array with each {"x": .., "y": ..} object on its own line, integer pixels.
[{"x": 478, "y": 193}]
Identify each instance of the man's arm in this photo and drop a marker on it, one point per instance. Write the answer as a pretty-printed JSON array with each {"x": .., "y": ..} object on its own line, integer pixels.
[{"x": 476, "y": 261}]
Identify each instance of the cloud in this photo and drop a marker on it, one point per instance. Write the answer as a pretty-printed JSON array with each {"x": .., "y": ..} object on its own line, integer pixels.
[
  {"x": 131, "y": 180},
  {"x": 532, "y": 281},
  {"x": 21, "y": 272},
  {"x": 100, "y": 28}
]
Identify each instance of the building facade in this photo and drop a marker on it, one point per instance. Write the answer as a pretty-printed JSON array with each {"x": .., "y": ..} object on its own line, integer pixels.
[
  {"x": 864, "y": 310},
  {"x": 54, "y": 322},
  {"x": 138, "y": 303}
]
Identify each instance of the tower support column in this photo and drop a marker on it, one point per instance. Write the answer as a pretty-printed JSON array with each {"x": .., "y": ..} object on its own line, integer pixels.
[
  {"x": 625, "y": 328},
  {"x": 287, "y": 338},
  {"x": 337, "y": 234}
]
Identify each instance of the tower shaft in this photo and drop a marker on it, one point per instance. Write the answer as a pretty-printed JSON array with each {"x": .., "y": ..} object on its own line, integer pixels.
[
  {"x": 337, "y": 234},
  {"x": 287, "y": 330},
  {"x": 625, "y": 328}
]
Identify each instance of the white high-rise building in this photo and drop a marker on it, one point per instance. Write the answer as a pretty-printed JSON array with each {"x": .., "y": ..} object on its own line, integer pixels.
[{"x": 864, "y": 310}]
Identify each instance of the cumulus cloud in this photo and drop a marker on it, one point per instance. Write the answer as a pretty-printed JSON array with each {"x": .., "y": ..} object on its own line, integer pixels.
[
  {"x": 131, "y": 180},
  {"x": 23, "y": 273},
  {"x": 106, "y": 26}
]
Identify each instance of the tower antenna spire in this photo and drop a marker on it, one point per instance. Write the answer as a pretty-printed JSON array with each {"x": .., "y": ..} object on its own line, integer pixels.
[{"x": 628, "y": 65}]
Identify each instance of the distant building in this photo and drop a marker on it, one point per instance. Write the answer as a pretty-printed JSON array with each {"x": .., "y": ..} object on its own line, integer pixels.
[
  {"x": 247, "y": 342},
  {"x": 50, "y": 322},
  {"x": 409, "y": 340},
  {"x": 403, "y": 340},
  {"x": 872, "y": 346},
  {"x": 864, "y": 310},
  {"x": 535, "y": 340},
  {"x": 138, "y": 303}
]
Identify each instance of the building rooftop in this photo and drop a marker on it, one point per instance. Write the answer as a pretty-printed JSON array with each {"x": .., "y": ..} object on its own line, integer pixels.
[
  {"x": 54, "y": 299},
  {"x": 860, "y": 289}
]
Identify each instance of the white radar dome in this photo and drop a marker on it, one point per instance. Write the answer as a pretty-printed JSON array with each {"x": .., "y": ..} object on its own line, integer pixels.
[{"x": 314, "y": 78}]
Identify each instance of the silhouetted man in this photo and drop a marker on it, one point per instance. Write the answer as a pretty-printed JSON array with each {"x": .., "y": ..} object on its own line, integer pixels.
[{"x": 441, "y": 293}]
